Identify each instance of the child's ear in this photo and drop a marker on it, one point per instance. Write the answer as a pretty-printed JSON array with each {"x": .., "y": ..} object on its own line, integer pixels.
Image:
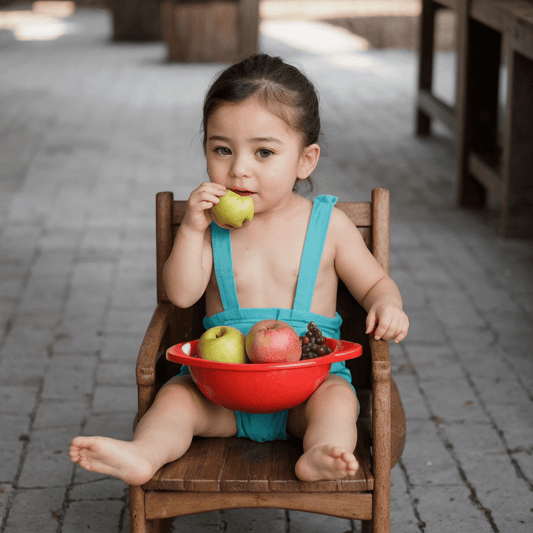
[{"x": 308, "y": 161}]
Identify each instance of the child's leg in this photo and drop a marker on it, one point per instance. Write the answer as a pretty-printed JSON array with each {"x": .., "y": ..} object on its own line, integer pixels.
[
  {"x": 327, "y": 424},
  {"x": 164, "y": 434}
]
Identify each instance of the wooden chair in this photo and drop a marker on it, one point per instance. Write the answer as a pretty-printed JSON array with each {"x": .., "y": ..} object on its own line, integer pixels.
[{"x": 231, "y": 473}]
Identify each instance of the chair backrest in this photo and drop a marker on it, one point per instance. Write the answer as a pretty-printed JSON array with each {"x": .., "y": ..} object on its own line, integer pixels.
[{"x": 372, "y": 220}]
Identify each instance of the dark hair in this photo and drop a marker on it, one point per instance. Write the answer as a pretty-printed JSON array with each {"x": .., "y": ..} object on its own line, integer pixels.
[{"x": 283, "y": 89}]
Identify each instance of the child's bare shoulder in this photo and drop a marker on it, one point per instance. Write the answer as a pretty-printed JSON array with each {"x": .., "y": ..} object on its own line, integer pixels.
[
  {"x": 342, "y": 226},
  {"x": 344, "y": 236}
]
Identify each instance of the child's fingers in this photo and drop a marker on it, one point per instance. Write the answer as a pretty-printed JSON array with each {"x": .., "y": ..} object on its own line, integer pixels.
[
  {"x": 387, "y": 330},
  {"x": 371, "y": 322},
  {"x": 202, "y": 200},
  {"x": 403, "y": 330},
  {"x": 386, "y": 323},
  {"x": 392, "y": 324},
  {"x": 208, "y": 188}
]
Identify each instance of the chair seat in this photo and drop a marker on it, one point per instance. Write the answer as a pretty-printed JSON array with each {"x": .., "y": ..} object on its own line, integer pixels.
[{"x": 236, "y": 464}]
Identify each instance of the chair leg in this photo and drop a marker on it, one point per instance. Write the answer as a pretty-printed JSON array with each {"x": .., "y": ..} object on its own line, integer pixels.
[
  {"x": 138, "y": 521},
  {"x": 425, "y": 67}
]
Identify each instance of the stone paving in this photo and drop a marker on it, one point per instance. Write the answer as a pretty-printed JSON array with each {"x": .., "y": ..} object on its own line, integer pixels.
[{"x": 91, "y": 130}]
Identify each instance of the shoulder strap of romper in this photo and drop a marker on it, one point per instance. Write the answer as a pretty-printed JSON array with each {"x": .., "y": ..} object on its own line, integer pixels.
[
  {"x": 221, "y": 244},
  {"x": 312, "y": 252}
]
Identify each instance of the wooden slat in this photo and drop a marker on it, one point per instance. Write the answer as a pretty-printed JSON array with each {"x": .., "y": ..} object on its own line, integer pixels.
[
  {"x": 359, "y": 212},
  {"x": 283, "y": 477},
  {"x": 248, "y": 467},
  {"x": 485, "y": 174},
  {"x": 182, "y": 474},
  {"x": 350, "y": 505},
  {"x": 437, "y": 109},
  {"x": 366, "y": 233},
  {"x": 233, "y": 465},
  {"x": 520, "y": 39},
  {"x": 503, "y": 15},
  {"x": 205, "y": 472},
  {"x": 178, "y": 212},
  {"x": 489, "y": 13}
]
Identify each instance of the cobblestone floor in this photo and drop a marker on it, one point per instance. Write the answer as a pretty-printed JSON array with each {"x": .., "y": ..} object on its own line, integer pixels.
[{"x": 91, "y": 130}]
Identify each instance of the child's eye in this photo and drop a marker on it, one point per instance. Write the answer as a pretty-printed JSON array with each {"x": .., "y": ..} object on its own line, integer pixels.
[
  {"x": 264, "y": 153},
  {"x": 222, "y": 150}
]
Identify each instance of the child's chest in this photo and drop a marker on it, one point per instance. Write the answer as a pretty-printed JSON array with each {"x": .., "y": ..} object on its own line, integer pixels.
[{"x": 269, "y": 262}]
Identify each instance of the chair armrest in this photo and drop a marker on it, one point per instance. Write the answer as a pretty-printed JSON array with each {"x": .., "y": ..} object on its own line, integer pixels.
[
  {"x": 379, "y": 350},
  {"x": 145, "y": 368},
  {"x": 381, "y": 400},
  {"x": 381, "y": 365},
  {"x": 381, "y": 420}
]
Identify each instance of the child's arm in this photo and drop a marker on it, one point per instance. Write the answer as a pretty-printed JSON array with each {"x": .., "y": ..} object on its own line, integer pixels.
[
  {"x": 367, "y": 281},
  {"x": 188, "y": 269}
]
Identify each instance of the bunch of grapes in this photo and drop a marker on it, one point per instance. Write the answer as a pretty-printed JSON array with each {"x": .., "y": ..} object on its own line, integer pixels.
[{"x": 313, "y": 343}]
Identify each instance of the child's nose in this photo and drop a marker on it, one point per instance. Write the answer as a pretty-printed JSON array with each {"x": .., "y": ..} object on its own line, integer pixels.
[{"x": 241, "y": 167}]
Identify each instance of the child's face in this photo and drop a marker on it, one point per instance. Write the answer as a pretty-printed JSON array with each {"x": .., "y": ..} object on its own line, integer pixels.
[{"x": 254, "y": 152}]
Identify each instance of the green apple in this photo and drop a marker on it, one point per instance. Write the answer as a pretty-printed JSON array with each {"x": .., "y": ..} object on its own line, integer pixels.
[
  {"x": 224, "y": 344},
  {"x": 232, "y": 210}
]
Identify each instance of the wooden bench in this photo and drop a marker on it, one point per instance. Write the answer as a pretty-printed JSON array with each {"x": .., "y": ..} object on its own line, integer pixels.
[{"x": 487, "y": 30}]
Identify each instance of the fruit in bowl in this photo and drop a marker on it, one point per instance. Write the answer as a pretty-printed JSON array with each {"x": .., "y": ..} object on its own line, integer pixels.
[
  {"x": 232, "y": 210},
  {"x": 273, "y": 341},
  {"x": 223, "y": 344},
  {"x": 260, "y": 388}
]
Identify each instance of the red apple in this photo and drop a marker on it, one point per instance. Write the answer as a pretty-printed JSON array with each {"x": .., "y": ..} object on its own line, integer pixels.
[{"x": 273, "y": 341}]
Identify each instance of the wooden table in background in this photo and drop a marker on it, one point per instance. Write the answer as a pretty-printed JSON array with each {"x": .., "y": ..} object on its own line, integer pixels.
[{"x": 487, "y": 30}]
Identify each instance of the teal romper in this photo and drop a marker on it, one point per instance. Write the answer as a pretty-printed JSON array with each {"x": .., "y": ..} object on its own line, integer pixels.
[{"x": 272, "y": 426}]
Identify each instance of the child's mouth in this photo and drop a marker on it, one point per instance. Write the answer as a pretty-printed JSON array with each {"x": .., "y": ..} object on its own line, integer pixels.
[{"x": 242, "y": 192}]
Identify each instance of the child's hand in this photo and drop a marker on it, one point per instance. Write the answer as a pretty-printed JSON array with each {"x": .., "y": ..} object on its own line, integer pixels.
[
  {"x": 197, "y": 216},
  {"x": 387, "y": 321}
]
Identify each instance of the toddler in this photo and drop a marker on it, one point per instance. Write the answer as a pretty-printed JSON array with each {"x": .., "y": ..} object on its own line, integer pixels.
[{"x": 261, "y": 128}]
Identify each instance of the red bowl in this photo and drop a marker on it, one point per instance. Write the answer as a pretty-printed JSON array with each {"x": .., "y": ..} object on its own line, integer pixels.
[{"x": 260, "y": 388}]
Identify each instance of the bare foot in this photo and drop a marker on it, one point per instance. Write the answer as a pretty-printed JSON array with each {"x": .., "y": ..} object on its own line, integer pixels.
[
  {"x": 326, "y": 462},
  {"x": 112, "y": 457}
]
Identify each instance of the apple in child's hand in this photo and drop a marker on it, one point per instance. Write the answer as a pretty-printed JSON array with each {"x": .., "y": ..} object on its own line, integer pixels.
[
  {"x": 223, "y": 344},
  {"x": 232, "y": 210},
  {"x": 273, "y": 341}
]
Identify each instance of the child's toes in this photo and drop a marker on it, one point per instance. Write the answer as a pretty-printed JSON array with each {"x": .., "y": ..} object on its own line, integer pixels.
[
  {"x": 74, "y": 453},
  {"x": 351, "y": 463},
  {"x": 337, "y": 452}
]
